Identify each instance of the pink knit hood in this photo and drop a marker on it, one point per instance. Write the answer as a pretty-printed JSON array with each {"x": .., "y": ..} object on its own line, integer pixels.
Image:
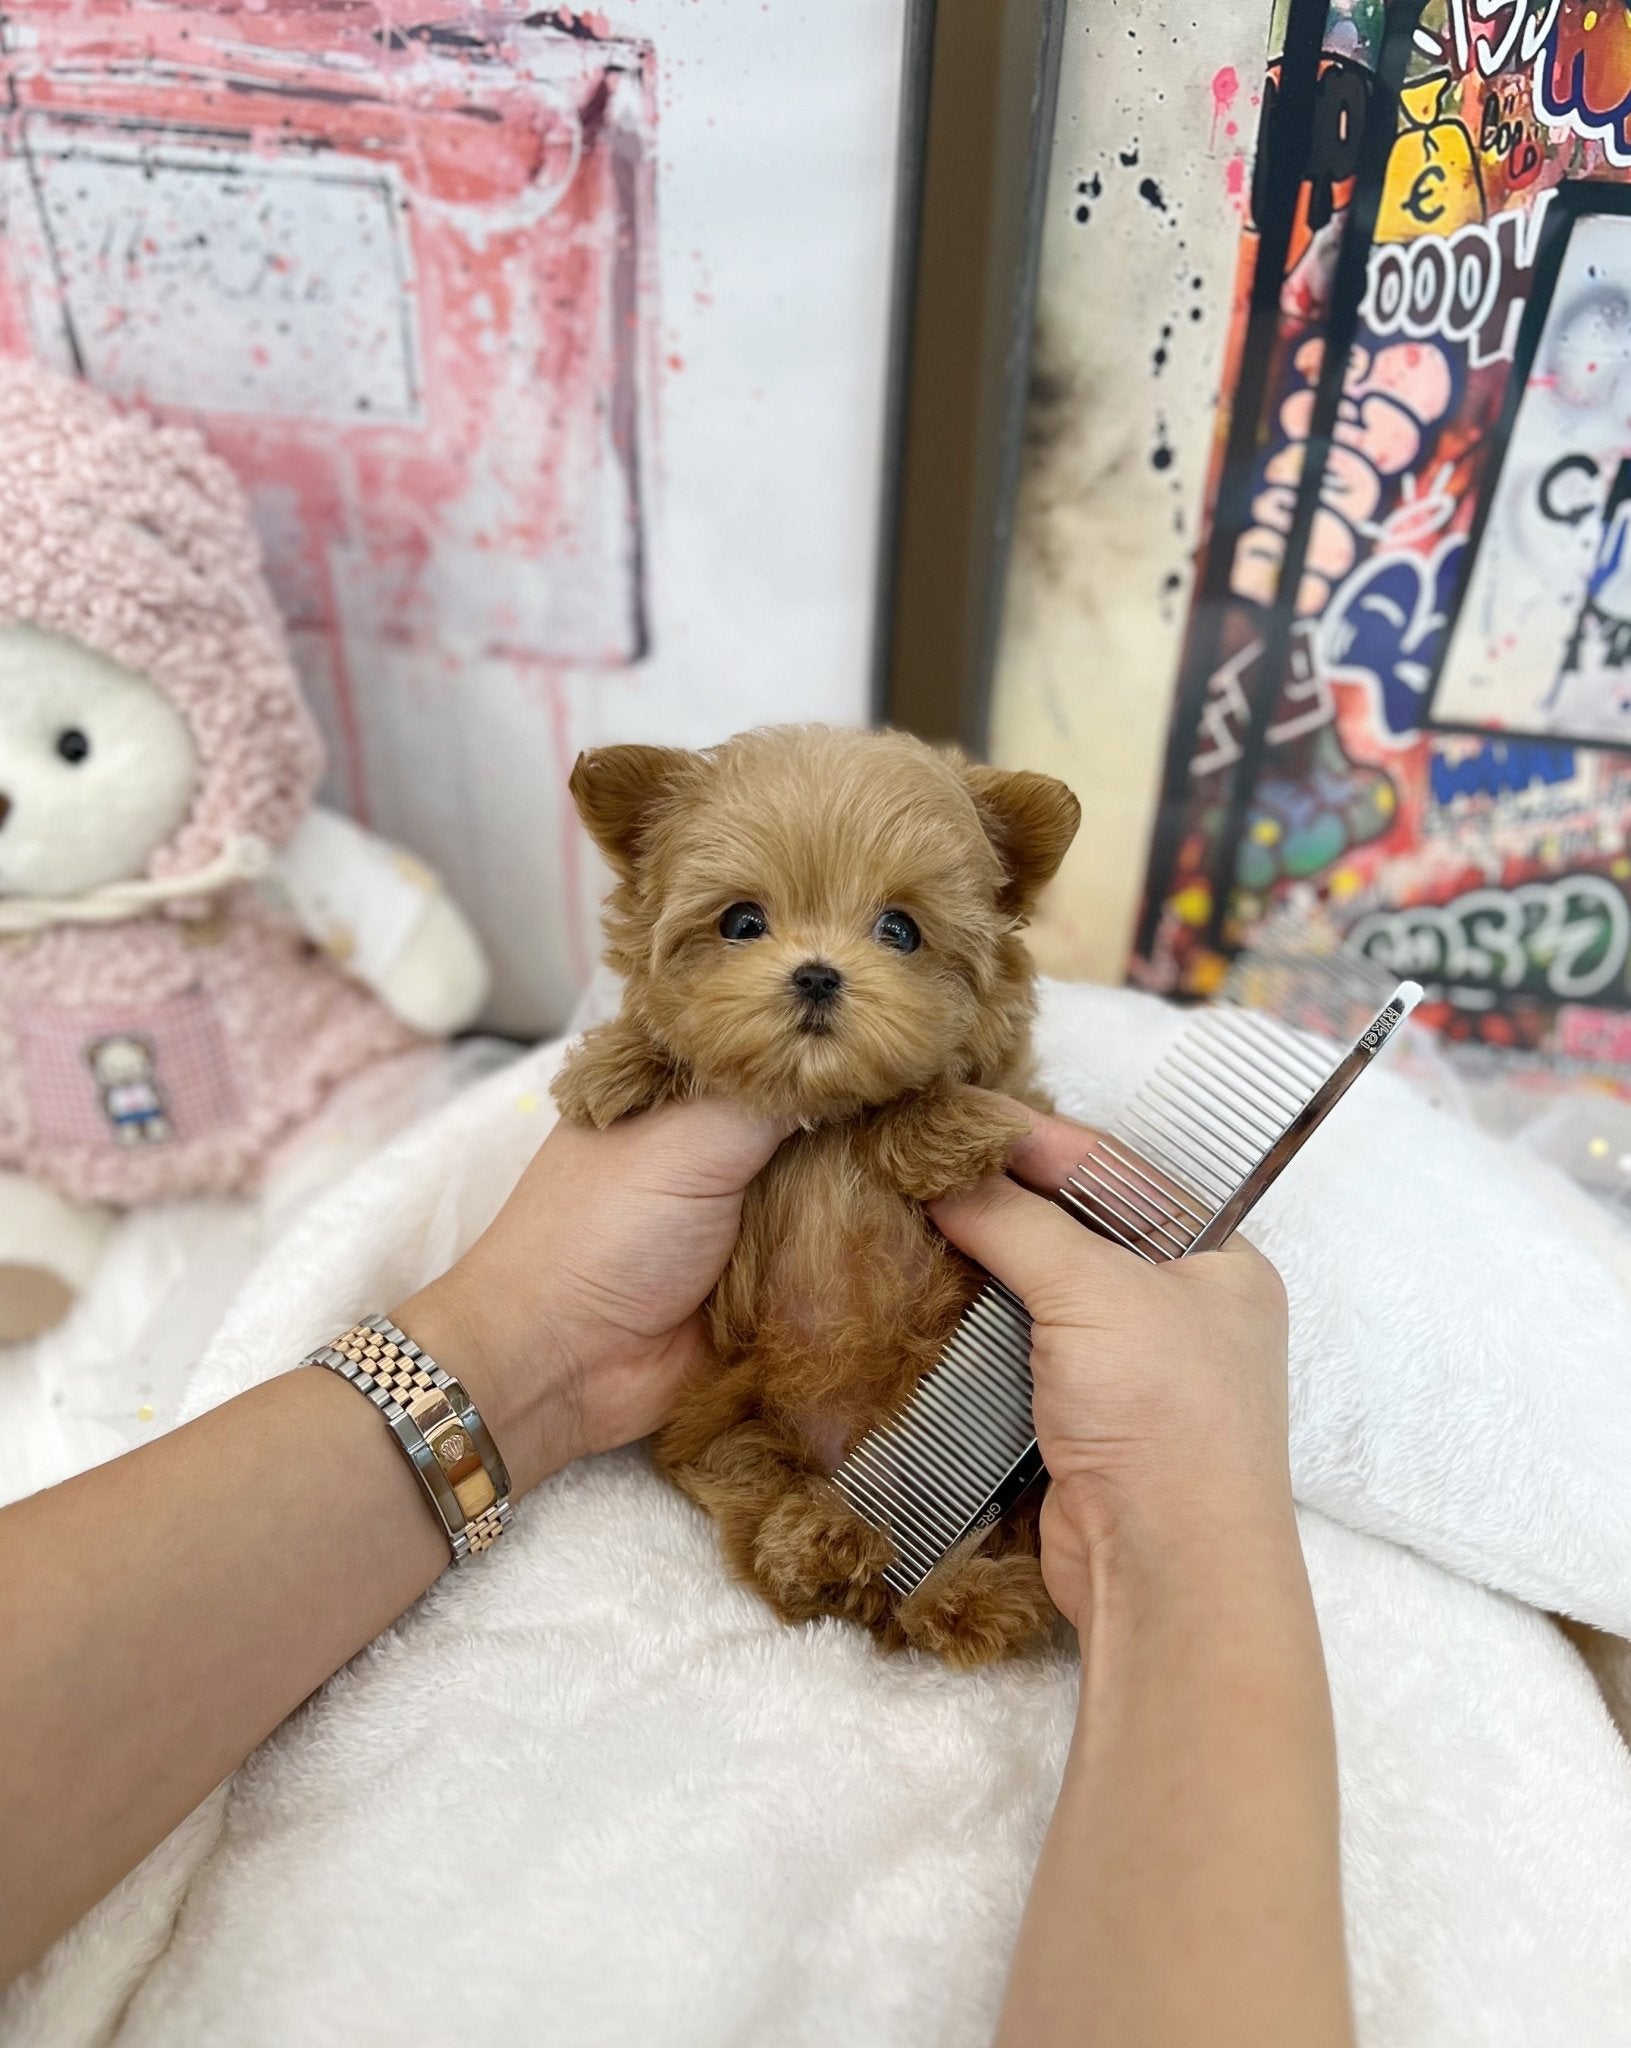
[{"x": 134, "y": 539}]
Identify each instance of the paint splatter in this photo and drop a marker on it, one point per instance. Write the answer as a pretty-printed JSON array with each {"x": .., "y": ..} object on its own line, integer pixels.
[
  {"x": 1160, "y": 357},
  {"x": 1087, "y": 189},
  {"x": 415, "y": 322},
  {"x": 1152, "y": 195},
  {"x": 1129, "y": 156},
  {"x": 1225, "y": 91}
]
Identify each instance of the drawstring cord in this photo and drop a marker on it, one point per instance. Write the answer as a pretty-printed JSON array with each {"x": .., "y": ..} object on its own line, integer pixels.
[{"x": 242, "y": 859}]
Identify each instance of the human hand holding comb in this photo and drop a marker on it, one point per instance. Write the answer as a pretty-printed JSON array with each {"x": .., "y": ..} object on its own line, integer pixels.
[
  {"x": 1188, "y": 1890},
  {"x": 1148, "y": 1435}
]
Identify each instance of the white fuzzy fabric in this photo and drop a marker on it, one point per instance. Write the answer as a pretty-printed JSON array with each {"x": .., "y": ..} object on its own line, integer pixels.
[
  {"x": 1461, "y": 1356},
  {"x": 674, "y": 1821}
]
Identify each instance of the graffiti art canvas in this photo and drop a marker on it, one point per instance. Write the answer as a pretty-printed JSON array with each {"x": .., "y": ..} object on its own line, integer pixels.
[{"x": 1398, "y": 705}]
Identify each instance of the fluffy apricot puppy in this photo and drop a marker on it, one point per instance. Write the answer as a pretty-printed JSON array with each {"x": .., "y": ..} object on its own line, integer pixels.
[{"x": 827, "y": 923}]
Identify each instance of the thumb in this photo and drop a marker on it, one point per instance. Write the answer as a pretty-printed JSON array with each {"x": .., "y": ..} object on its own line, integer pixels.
[
  {"x": 711, "y": 1146},
  {"x": 1031, "y": 1245}
]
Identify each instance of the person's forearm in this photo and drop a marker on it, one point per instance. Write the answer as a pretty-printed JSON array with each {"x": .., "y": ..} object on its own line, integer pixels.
[
  {"x": 164, "y": 1612},
  {"x": 1188, "y": 1894}
]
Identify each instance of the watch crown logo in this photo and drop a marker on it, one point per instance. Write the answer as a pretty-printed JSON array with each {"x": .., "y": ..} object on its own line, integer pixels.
[{"x": 452, "y": 1447}]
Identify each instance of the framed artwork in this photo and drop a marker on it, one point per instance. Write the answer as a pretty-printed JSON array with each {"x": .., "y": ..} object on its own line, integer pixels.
[
  {"x": 1538, "y": 643},
  {"x": 553, "y": 346},
  {"x": 1402, "y": 703}
]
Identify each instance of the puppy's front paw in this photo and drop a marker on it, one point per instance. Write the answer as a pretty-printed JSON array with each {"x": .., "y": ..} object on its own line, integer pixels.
[
  {"x": 814, "y": 1555},
  {"x": 612, "y": 1071},
  {"x": 940, "y": 1146},
  {"x": 974, "y": 1610}
]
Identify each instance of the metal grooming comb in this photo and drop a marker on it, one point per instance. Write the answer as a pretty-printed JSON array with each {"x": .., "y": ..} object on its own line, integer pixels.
[{"x": 1223, "y": 1114}]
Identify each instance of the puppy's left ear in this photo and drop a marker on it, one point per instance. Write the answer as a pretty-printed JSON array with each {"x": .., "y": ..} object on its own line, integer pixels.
[
  {"x": 1030, "y": 820},
  {"x": 621, "y": 791}
]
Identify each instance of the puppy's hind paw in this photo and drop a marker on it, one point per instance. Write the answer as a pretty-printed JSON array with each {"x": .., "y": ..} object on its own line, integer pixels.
[
  {"x": 814, "y": 1555},
  {"x": 976, "y": 1610}
]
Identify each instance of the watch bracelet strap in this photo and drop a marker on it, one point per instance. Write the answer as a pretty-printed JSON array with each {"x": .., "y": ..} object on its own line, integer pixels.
[{"x": 436, "y": 1423}]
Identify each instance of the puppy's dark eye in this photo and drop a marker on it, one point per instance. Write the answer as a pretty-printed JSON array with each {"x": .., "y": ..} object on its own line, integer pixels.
[
  {"x": 743, "y": 921},
  {"x": 896, "y": 929},
  {"x": 73, "y": 746}
]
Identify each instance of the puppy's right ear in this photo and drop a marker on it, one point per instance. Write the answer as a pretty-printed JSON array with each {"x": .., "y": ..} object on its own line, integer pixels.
[{"x": 619, "y": 791}]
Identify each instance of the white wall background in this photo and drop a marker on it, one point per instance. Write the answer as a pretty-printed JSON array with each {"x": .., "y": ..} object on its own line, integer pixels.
[
  {"x": 776, "y": 134},
  {"x": 1151, "y": 94}
]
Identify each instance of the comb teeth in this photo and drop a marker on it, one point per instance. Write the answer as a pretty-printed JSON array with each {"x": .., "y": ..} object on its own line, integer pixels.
[
  {"x": 1221, "y": 1097},
  {"x": 1166, "y": 1180},
  {"x": 971, "y": 1414},
  {"x": 1298, "y": 969}
]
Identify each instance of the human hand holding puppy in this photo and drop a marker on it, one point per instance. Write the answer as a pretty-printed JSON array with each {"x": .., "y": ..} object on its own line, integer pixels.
[
  {"x": 1198, "y": 1810},
  {"x": 576, "y": 1315},
  {"x": 1142, "y": 1433},
  {"x": 1188, "y": 1890}
]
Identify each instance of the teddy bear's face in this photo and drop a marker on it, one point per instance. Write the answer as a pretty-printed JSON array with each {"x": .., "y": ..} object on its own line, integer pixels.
[
  {"x": 97, "y": 767},
  {"x": 119, "y": 1059}
]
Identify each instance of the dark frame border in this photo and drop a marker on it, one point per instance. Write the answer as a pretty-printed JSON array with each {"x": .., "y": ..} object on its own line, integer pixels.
[
  {"x": 980, "y": 134},
  {"x": 1575, "y": 200}
]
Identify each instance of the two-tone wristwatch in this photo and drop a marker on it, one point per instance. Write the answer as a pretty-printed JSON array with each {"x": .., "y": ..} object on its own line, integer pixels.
[{"x": 436, "y": 1423}]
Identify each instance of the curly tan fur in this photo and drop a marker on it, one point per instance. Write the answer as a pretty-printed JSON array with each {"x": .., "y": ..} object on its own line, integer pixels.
[{"x": 840, "y": 1293}]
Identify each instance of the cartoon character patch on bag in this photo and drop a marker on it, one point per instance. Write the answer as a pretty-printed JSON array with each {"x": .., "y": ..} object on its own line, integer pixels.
[{"x": 132, "y": 1100}]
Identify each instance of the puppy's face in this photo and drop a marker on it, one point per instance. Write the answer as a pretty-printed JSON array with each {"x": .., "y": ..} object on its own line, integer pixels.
[{"x": 817, "y": 919}]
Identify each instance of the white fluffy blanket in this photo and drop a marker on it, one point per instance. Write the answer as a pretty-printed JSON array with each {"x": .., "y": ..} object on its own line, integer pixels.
[{"x": 592, "y": 1793}]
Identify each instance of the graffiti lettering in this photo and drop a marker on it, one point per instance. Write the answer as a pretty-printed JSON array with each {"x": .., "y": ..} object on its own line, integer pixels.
[
  {"x": 1227, "y": 708},
  {"x": 1385, "y": 629},
  {"x": 1393, "y": 400},
  {"x": 1506, "y": 138},
  {"x": 1305, "y": 702},
  {"x": 1559, "y": 494},
  {"x": 1599, "y": 648},
  {"x": 1565, "y": 939},
  {"x": 1468, "y": 286},
  {"x": 1528, "y": 23},
  {"x": 1583, "y": 75},
  {"x": 1341, "y": 97},
  {"x": 1589, "y": 1034},
  {"x": 1500, "y": 768}
]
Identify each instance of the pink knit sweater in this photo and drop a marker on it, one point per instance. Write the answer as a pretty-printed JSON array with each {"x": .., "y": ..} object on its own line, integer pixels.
[{"x": 167, "y": 1053}]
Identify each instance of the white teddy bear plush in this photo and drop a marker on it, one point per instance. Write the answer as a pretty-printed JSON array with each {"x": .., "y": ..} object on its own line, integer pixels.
[{"x": 191, "y": 955}]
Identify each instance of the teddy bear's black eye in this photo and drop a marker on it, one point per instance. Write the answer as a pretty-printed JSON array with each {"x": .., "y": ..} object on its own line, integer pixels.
[
  {"x": 743, "y": 921},
  {"x": 73, "y": 746},
  {"x": 896, "y": 929}
]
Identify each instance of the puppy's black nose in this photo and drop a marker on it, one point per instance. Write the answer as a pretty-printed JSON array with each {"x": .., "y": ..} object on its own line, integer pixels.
[{"x": 817, "y": 982}]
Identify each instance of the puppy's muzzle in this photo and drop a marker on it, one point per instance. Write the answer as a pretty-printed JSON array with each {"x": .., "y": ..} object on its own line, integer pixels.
[{"x": 817, "y": 986}]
